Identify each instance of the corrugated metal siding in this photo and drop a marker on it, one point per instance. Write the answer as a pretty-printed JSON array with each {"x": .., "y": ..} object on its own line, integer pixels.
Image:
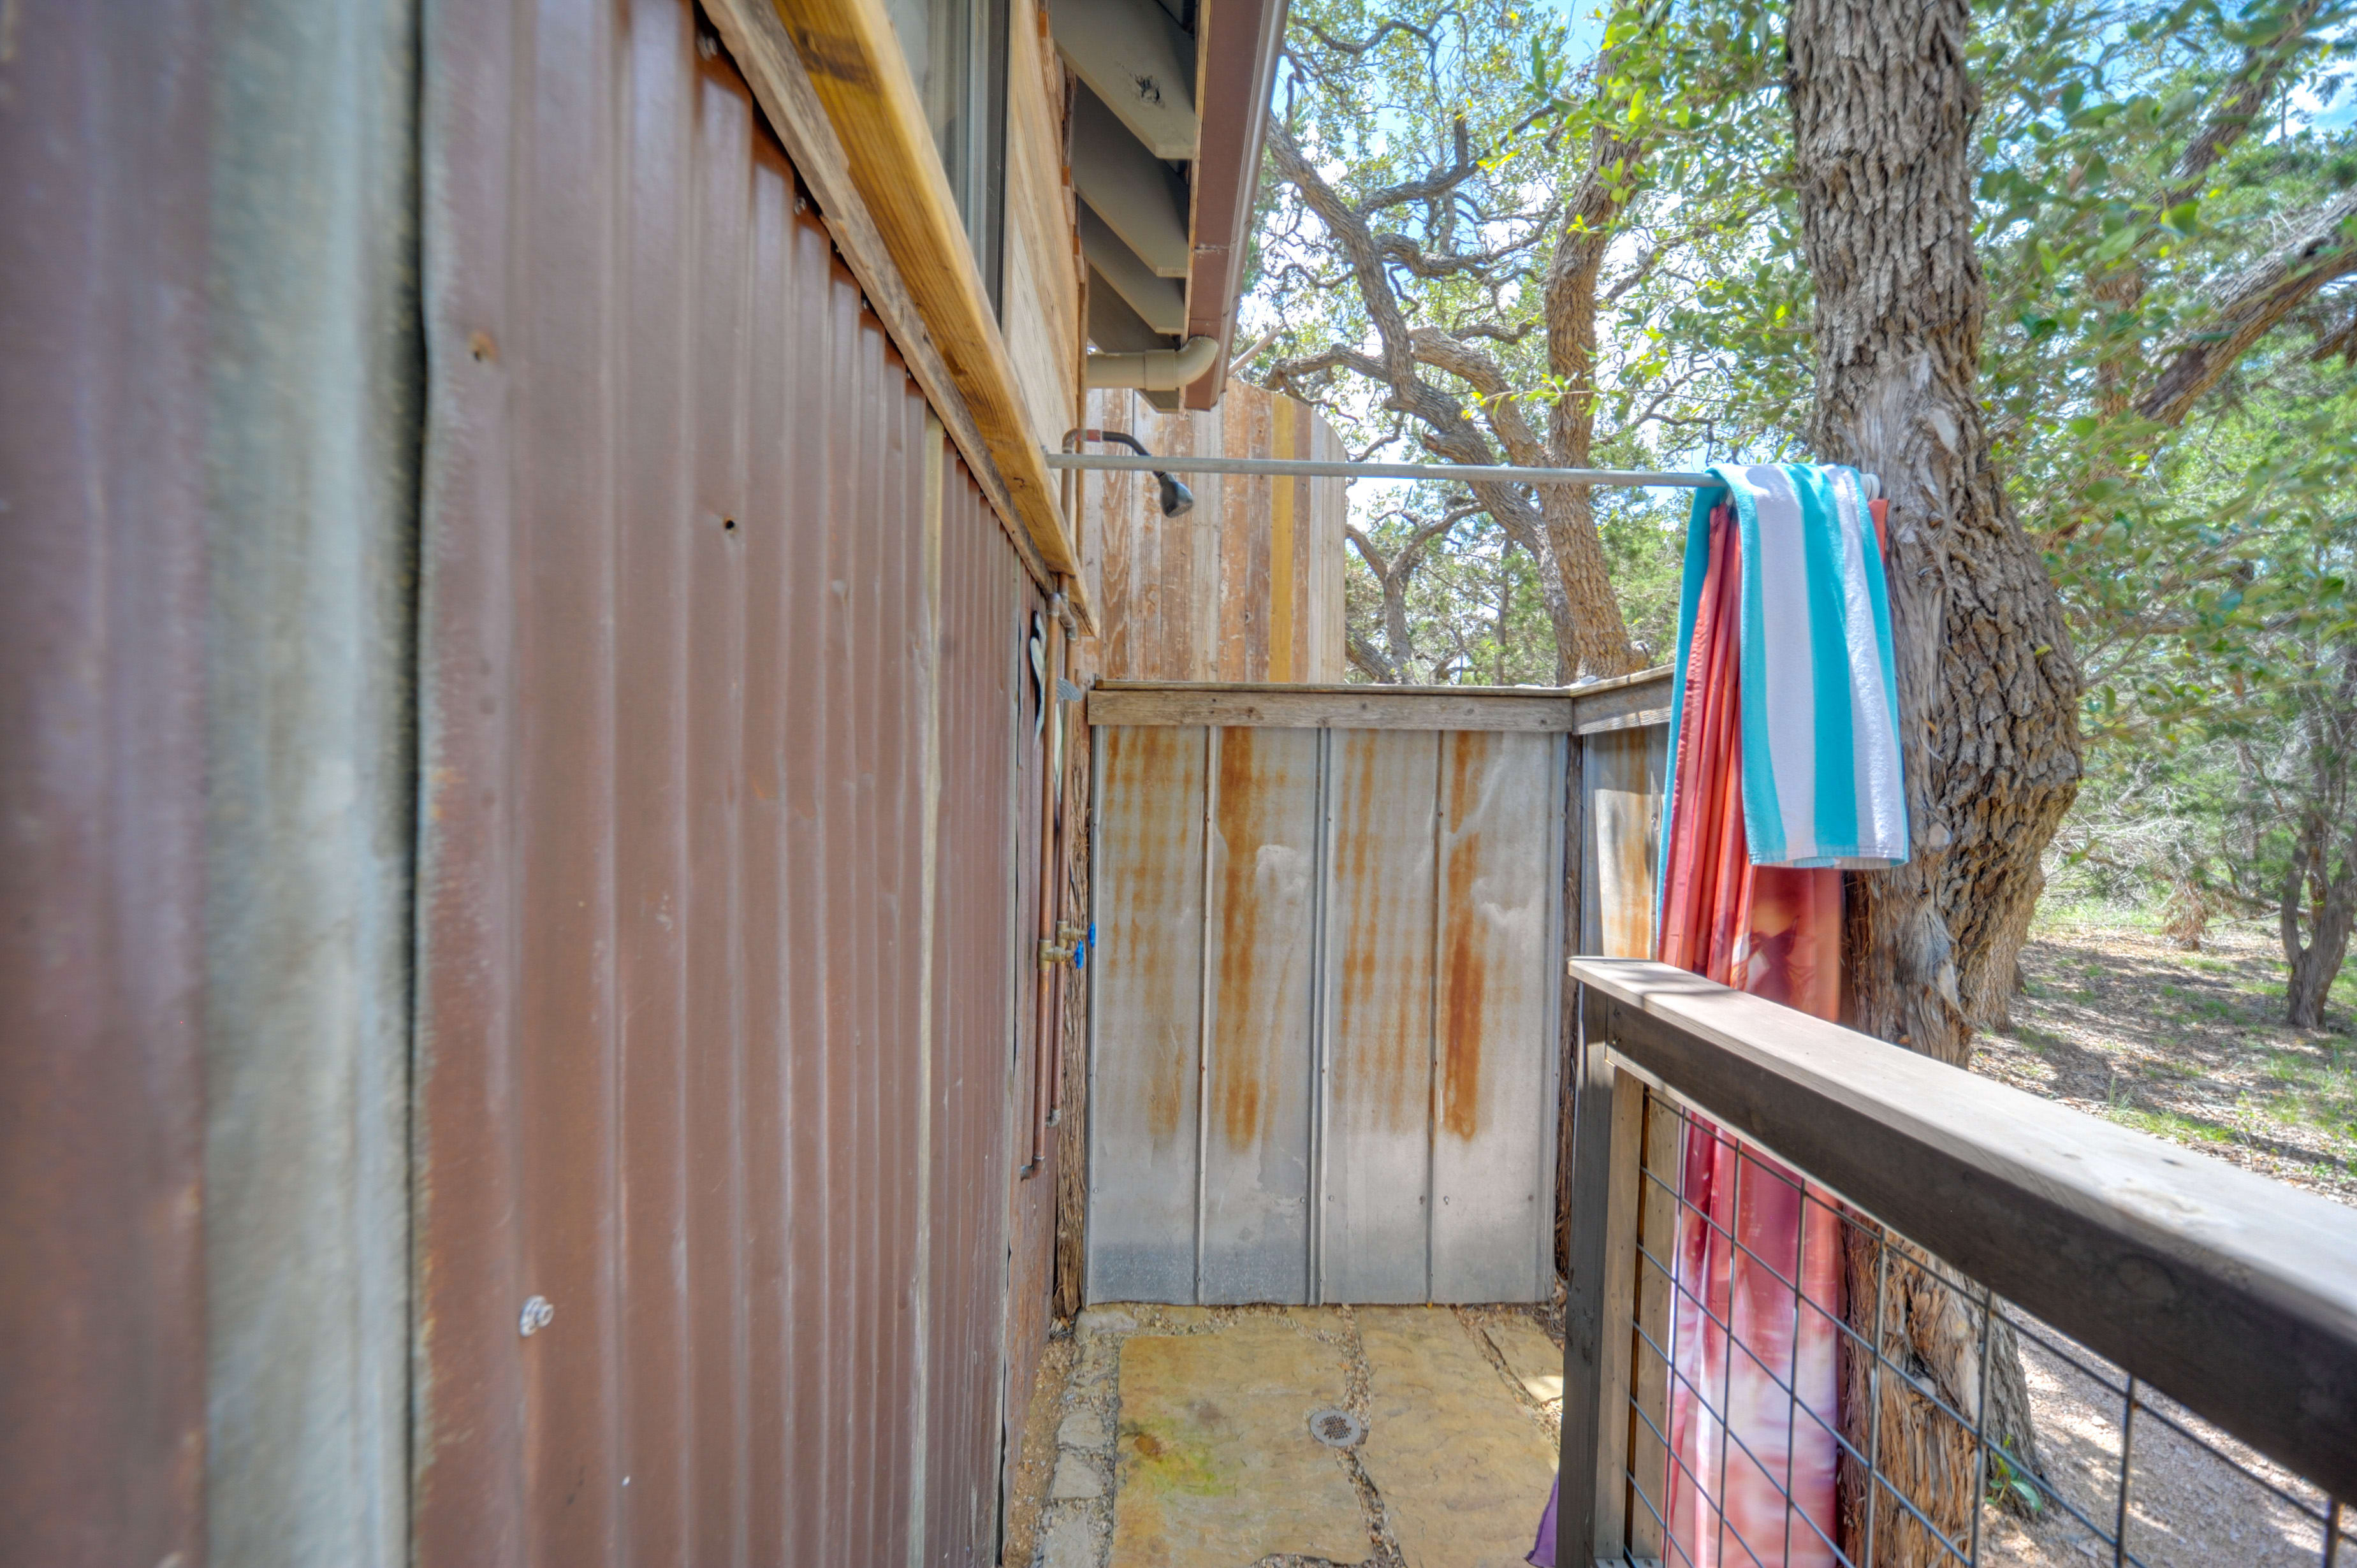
[
  {"x": 1621, "y": 777},
  {"x": 716, "y": 877},
  {"x": 102, "y": 138},
  {"x": 987, "y": 788},
  {"x": 1028, "y": 1197},
  {"x": 1324, "y": 1056},
  {"x": 312, "y": 430}
]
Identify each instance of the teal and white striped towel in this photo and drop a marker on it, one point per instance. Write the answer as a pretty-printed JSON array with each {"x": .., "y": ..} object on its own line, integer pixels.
[{"x": 1820, "y": 692}]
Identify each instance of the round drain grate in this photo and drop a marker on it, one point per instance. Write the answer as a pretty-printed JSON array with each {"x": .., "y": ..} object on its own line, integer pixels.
[{"x": 1336, "y": 1428}]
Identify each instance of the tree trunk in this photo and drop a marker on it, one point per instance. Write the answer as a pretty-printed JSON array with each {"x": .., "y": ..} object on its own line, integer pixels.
[
  {"x": 1601, "y": 646},
  {"x": 1989, "y": 693},
  {"x": 2313, "y": 967},
  {"x": 2329, "y": 718}
]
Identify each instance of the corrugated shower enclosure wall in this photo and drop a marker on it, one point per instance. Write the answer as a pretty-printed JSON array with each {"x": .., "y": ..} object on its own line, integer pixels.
[
  {"x": 1326, "y": 987},
  {"x": 720, "y": 771}
]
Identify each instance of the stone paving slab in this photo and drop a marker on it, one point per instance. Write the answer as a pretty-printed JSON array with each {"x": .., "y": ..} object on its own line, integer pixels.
[
  {"x": 1216, "y": 1465},
  {"x": 1462, "y": 1469},
  {"x": 1533, "y": 1358}
]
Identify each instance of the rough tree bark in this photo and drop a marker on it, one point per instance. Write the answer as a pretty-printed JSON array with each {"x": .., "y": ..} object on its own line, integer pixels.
[
  {"x": 1585, "y": 235},
  {"x": 1883, "y": 108}
]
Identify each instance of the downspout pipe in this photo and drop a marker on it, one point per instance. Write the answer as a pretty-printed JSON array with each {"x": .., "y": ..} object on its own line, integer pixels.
[{"x": 1156, "y": 370}]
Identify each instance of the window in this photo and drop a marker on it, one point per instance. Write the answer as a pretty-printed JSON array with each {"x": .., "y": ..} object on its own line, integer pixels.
[{"x": 957, "y": 52}]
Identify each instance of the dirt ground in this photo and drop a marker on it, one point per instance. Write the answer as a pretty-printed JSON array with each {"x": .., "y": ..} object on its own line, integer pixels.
[
  {"x": 2190, "y": 1047},
  {"x": 2191, "y": 1504}
]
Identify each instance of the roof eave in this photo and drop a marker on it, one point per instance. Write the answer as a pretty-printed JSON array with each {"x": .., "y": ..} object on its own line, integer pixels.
[{"x": 1235, "y": 75}]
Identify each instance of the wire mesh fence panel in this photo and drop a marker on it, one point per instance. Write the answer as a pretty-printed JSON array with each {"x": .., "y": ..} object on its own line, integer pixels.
[{"x": 1807, "y": 1387}]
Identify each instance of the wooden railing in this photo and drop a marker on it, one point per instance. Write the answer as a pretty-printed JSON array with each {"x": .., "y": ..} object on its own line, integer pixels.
[{"x": 2232, "y": 1295}]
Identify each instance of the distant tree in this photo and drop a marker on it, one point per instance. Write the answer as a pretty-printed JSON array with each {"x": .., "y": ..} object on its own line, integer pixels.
[{"x": 2318, "y": 905}]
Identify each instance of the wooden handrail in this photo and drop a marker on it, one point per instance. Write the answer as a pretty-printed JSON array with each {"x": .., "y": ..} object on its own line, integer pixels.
[{"x": 2234, "y": 1295}]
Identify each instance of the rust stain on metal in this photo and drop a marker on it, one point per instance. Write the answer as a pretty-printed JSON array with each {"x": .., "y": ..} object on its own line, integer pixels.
[
  {"x": 1241, "y": 825},
  {"x": 1622, "y": 775},
  {"x": 1267, "y": 781},
  {"x": 1157, "y": 862},
  {"x": 1465, "y": 930},
  {"x": 1384, "y": 781},
  {"x": 1461, "y": 1028}
]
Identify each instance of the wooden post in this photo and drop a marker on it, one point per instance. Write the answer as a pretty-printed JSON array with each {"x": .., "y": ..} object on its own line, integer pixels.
[
  {"x": 1601, "y": 1303},
  {"x": 1575, "y": 829},
  {"x": 1649, "y": 1376}
]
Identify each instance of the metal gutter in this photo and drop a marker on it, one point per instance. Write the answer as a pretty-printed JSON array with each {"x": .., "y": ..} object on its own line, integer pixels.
[{"x": 1238, "y": 49}]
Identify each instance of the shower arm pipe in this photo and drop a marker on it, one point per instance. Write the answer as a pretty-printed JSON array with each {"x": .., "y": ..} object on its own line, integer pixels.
[{"x": 1319, "y": 468}]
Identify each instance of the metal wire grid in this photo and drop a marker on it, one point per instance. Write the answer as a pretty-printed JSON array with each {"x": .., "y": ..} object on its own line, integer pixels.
[{"x": 1651, "y": 1448}]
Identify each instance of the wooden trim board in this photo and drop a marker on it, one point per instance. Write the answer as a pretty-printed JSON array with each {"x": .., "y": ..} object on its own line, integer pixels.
[
  {"x": 1368, "y": 708},
  {"x": 2235, "y": 1295},
  {"x": 1623, "y": 706},
  {"x": 757, "y": 41},
  {"x": 1583, "y": 710},
  {"x": 908, "y": 243}
]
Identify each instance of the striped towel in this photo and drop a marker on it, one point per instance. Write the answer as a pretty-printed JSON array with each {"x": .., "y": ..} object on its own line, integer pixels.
[{"x": 1819, "y": 691}]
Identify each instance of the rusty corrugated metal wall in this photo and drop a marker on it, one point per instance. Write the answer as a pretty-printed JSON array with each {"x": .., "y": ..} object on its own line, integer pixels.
[
  {"x": 1621, "y": 777},
  {"x": 103, "y": 336},
  {"x": 1324, "y": 1052},
  {"x": 717, "y": 883}
]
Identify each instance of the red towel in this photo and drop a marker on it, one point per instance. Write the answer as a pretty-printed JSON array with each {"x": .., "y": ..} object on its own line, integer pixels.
[{"x": 1740, "y": 1443}]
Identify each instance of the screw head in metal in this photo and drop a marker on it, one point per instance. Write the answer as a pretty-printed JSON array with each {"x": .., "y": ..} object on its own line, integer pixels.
[
  {"x": 538, "y": 1313},
  {"x": 1336, "y": 1428}
]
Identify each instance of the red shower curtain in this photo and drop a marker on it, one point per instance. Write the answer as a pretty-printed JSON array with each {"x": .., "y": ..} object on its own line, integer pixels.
[{"x": 1749, "y": 1248}]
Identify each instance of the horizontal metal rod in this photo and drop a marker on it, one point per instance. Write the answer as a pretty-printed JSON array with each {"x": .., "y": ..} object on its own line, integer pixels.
[{"x": 1315, "y": 469}]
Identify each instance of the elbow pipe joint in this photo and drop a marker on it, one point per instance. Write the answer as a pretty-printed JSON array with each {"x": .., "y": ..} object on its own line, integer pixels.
[{"x": 1157, "y": 369}]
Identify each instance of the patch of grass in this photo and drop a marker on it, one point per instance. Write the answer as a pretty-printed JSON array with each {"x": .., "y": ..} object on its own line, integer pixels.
[
  {"x": 2081, "y": 914},
  {"x": 2035, "y": 1038},
  {"x": 2168, "y": 1125},
  {"x": 2164, "y": 1067},
  {"x": 2179, "y": 1033},
  {"x": 2323, "y": 1094}
]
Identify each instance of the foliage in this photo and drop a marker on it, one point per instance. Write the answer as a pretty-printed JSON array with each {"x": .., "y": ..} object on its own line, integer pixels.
[
  {"x": 1480, "y": 169},
  {"x": 2168, "y": 233}
]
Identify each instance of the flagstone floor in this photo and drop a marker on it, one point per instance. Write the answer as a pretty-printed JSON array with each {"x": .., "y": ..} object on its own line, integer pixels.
[{"x": 1184, "y": 1437}]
